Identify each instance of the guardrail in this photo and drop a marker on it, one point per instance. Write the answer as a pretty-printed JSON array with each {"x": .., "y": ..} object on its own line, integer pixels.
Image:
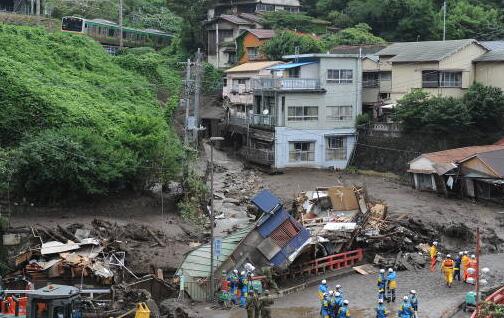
[
  {"x": 286, "y": 83},
  {"x": 324, "y": 264},
  {"x": 254, "y": 119}
]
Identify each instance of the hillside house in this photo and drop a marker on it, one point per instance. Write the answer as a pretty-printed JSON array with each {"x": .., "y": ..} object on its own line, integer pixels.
[
  {"x": 439, "y": 171},
  {"x": 490, "y": 68},
  {"x": 221, "y": 35},
  {"x": 303, "y": 115},
  {"x": 252, "y": 7},
  {"x": 237, "y": 90},
  {"x": 249, "y": 42}
]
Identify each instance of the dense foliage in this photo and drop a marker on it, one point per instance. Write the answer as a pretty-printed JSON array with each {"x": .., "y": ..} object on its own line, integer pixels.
[
  {"x": 481, "y": 110},
  {"x": 359, "y": 34},
  {"x": 74, "y": 123},
  {"x": 285, "y": 43},
  {"x": 411, "y": 20},
  {"x": 294, "y": 21}
]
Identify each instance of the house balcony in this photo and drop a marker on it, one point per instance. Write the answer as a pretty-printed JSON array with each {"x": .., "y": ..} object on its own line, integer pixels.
[
  {"x": 256, "y": 120},
  {"x": 287, "y": 84}
]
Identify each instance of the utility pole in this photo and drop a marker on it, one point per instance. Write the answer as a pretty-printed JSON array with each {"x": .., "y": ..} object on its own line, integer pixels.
[
  {"x": 217, "y": 44},
  {"x": 121, "y": 42},
  {"x": 212, "y": 215},
  {"x": 444, "y": 20},
  {"x": 38, "y": 8},
  {"x": 187, "y": 97},
  {"x": 197, "y": 91},
  {"x": 477, "y": 270}
]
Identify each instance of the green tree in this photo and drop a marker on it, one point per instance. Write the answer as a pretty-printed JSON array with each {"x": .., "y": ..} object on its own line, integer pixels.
[
  {"x": 446, "y": 115},
  {"x": 294, "y": 21},
  {"x": 359, "y": 34},
  {"x": 466, "y": 20},
  {"x": 420, "y": 22},
  {"x": 340, "y": 19},
  {"x": 285, "y": 43},
  {"x": 410, "y": 110},
  {"x": 485, "y": 105}
]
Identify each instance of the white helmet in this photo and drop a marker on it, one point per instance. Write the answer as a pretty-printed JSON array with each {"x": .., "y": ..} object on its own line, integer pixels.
[
  {"x": 461, "y": 253},
  {"x": 405, "y": 298},
  {"x": 390, "y": 270},
  {"x": 331, "y": 292},
  {"x": 473, "y": 256},
  {"x": 466, "y": 252},
  {"x": 435, "y": 243},
  {"x": 324, "y": 282},
  {"x": 346, "y": 302},
  {"x": 243, "y": 273},
  {"x": 448, "y": 256},
  {"x": 382, "y": 270},
  {"x": 413, "y": 291},
  {"x": 235, "y": 271},
  {"x": 337, "y": 294},
  {"x": 338, "y": 286},
  {"x": 380, "y": 301}
]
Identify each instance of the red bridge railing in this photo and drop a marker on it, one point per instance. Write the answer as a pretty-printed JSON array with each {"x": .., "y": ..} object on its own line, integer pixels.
[
  {"x": 324, "y": 264},
  {"x": 496, "y": 298}
]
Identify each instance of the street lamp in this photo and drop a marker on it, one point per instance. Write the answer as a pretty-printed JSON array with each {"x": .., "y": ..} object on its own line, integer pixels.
[{"x": 212, "y": 215}]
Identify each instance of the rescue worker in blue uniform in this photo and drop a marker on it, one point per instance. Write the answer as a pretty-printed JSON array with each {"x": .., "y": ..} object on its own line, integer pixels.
[
  {"x": 405, "y": 310},
  {"x": 332, "y": 303},
  {"x": 344, "y": 312},
  {"x": 243, "y": 285},
  {"x": 338, "y": 302},
  {"x": 458, "y": 264},
  {"x": 414, "y": 302},
  {"x": 233, "y": 284},
  {"x": 381, "y": 310},
  {"x": 381, "y": 282},
  {"x": 391, "y": 285},
  {"x": 323, "y": 289},
  {"x": 324, "y": 308},
  {"x": 338, "y": 289}
]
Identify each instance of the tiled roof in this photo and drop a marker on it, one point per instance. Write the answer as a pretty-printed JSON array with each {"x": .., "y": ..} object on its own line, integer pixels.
[
  {"x": 491, "y": 56},
  {"x": 262, "y": 33},
  {"x": 427, "y": 51},
  {"x": 355, "y": 49},
  {"x": 493, "y": 45},
  {"x": 458, "y": 154},
  {"x": 252, "y": 66},
  {"x": 494, "y": 160},
  {"x": 234, "y": 19},
  {"x": 251, "y": 17}
]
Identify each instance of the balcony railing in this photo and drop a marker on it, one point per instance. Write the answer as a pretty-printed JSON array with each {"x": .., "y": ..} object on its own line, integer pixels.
[
  {"x": 286, "y": 83},
  {"x": 253, "y": 120}
]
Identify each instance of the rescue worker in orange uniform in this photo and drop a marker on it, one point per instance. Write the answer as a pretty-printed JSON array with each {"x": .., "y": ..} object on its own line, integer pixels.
[
  {"x": 447, "y": 269},
  {"x": 473, "y": 263},
  {"x": 433, "y": 256},
  {"x": 465, "y": 264}
]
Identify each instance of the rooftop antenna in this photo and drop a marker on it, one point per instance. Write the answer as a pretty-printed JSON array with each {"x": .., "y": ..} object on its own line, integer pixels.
[{"x": 444, "y": 20}]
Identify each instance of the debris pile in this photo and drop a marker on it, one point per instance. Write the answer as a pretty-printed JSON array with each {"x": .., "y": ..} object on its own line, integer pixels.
[{"x": 94, "y": 256}]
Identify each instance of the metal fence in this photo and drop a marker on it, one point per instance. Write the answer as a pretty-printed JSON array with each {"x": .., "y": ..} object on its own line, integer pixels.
[{"x": 286, "y": 83}]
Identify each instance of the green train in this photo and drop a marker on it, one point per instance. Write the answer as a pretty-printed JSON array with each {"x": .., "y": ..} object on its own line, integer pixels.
[{"x": 107, "y": 33}]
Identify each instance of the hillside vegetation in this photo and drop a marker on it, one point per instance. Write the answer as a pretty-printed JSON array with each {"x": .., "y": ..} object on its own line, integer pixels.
[{"x": 74, "y": 123}]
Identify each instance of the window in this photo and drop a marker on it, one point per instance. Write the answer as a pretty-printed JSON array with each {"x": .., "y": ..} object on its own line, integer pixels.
[
  {"x": 301, "y": 113},
  {"x": 301, "y": 151},
  {"x": 336, "y": 148},
  {"x": 265, "y": 7},
  {"x": 111, "y": 32},
  {"x": 252, "y": 52},
  {"x": 433, "y": 79},
  {"x": 294, "y": 72},
  {"x": 340, "y": 76},
  {"x": 450, "y": 79},
  {"x": 224, "y": 82},
  {"x": 240, "y": 81},
  {"x": 385, "y": 76},
  {"x": 231, "y": 58},
  {"x": 370, "y": 79},
  {"x": 339, "y": 113}
]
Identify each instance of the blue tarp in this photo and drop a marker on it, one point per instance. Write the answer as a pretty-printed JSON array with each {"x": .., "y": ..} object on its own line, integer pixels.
[
  {"x": 266, "y": 201},
  {"x": 288, "y": 65}
]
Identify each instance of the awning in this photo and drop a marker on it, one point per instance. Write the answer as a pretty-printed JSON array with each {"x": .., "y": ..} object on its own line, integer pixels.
[
  {"x": 389, "y": 106},
  {"x": 288, "y": 66}
]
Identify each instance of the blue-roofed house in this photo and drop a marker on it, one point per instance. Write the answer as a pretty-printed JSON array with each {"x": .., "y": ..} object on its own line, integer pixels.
[
  {"x": 303, "y": 113},
  {"x": 270, "y": 241}
]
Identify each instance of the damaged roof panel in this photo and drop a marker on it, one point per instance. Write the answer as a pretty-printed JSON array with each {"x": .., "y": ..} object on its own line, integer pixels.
[
  {"x": 197, "y": 262},
  {"x": 266, "y": 201},
  {"x": 274, "y": 221}
]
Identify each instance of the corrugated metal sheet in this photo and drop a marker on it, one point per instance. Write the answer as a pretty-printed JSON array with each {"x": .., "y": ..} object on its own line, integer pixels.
[
  {"x": 279, "y": 259},
  {"x": 197, "y": 262},
  {"x": 274, "y": 221},
  {"x": 266, "y": 201},
  {"x": 296, "y": 242},
  {"x": 284, "y": 233}
]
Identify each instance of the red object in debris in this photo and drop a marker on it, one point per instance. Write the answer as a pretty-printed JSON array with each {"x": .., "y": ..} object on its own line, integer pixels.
[
  {"x": 22, "y": 305},
  {"x": 328, "y": 263},
  {"x": 224, "y": 286},
  {"x": 496, "y": 298}
]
